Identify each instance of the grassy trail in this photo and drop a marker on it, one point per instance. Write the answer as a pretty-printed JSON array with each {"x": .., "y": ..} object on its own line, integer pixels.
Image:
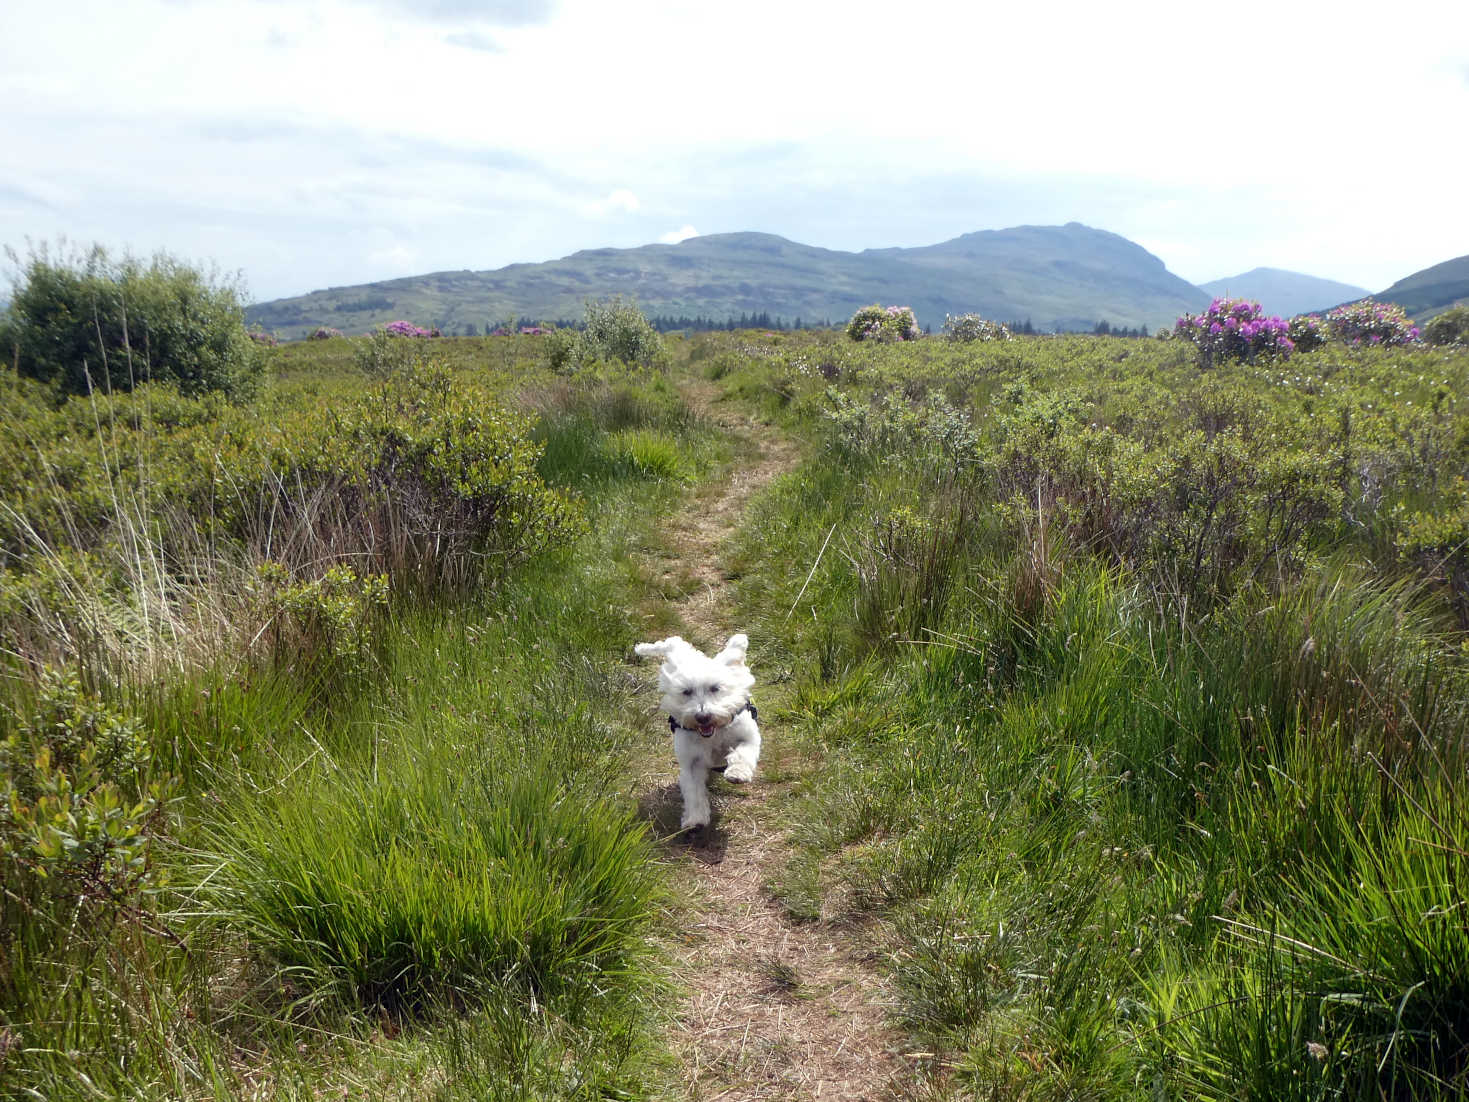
[{"x": 772, "y": 1007}]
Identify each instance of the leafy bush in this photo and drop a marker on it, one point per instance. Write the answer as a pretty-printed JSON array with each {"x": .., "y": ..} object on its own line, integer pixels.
[
  {"x": 1450, "y": 327},
  {"x": 1370, "y": 322},
  {"x": 77, "y": 816},
  {"x": 617, "y": 330},
  {"x": 381, "y": 353},
  {"x": 884, "y": 324},
  {"x": 1307, "y": 332},
  {"x": 332, "y": 621},
  {"x": 425, "y": 479},
  {"x": 323, "y": 333},
  {"x": 972, "y": 327},
  {"x": 1234, "y": 329},
  {"x": 92, "y": 322}
]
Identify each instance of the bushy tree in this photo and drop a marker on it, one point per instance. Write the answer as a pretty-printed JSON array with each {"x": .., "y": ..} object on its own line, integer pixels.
[
  {"x": 90, "y": 321},
  {"x": 615, "y": 330}
]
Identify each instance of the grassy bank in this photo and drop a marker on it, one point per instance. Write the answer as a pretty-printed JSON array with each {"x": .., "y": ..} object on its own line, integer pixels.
[
  {"x": 1141, "y": 693},
  {"x": 293, "y": 816}
]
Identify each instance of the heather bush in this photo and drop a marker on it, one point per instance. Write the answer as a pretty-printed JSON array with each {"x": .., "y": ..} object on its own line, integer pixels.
[
  {"x": 92, "y": 322},
  {"x": 884, "y": 324},
  {"x": 1450, "y": 327},
  {"x": 1234, "y": 329},
  {"x": 323, "y": 333},
  {"x": 1372, "y": 323},
  {"x": 972, "y": 327}
]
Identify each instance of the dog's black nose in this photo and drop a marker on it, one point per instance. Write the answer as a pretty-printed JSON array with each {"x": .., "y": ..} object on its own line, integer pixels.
[{"x": 703, "y": 719}]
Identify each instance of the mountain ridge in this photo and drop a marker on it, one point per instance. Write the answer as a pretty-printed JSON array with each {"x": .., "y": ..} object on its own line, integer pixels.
[
  {"x": 1060, "y": 277},
  {"x": 1285, "y": 293}
]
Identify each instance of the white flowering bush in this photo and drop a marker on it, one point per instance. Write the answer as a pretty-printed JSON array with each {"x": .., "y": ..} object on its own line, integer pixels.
[{"x": 972, "y": 327}]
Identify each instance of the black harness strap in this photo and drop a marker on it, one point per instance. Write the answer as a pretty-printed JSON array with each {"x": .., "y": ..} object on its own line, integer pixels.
[{"x": 674, "y": 725}]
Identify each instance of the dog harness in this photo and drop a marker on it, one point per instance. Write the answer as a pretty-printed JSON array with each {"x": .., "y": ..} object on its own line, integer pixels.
[{"x": 749, "y": 706}]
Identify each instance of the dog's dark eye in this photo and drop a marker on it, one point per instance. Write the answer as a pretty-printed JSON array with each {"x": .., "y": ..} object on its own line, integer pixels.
[
  {"x": 688, "y": 692},
  {"x": 713, "y": 688}
]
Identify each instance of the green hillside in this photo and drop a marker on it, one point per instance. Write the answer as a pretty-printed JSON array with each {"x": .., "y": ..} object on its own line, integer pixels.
[
  {"x": 1285, "y": 293},
  {"x": 1060, "y": 277},
  {"x": 1431, "y": 291}
]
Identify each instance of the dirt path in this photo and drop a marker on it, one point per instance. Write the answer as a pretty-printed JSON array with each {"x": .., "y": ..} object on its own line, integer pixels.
[{"x": 772, "y": 1008}]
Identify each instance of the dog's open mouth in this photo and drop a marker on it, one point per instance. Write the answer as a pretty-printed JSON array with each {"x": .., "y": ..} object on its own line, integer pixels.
[{"x": 706, "y": 729}]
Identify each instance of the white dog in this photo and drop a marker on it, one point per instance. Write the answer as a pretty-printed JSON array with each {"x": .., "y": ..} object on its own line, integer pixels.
[{"x": 709, "y": 711}]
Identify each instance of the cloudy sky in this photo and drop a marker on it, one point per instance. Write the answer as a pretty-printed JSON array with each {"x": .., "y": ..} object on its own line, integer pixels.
[{"x": 311, "y": 143}]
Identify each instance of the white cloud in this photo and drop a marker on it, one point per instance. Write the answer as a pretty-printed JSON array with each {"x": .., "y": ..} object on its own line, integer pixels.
[{"x": 673, "y": 237}]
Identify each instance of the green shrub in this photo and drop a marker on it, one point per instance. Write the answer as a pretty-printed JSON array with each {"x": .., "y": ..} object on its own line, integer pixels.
[
  {"x": 332, "y": 621},
  {"x": 972, "y": 327},
  {"x": 617, "y": 330},
  {"x": 77, "y": 816},
  {"x": 84, "y": 323},
  {"x": 1450, "y": 327},
  {"x": 425, "y": 479},
  {"x": 381, "y": 353}
]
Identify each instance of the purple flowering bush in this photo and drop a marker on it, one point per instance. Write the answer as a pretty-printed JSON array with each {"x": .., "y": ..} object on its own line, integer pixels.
[
  {"x": 1372, "y": 323},
  {"x": 324, "y": 333},
  {"x": 884, "y": 324},
  {"x": 408, "y": 329},
  {"x": 260, "y": 336},
  {"x": 1235, "y": 329},
  {"x": 1308, "y": 332}
]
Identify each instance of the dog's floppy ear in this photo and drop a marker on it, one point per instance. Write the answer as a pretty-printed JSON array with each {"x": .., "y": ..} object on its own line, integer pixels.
[
  {"x": 664, "y": 648},
  {"x": 733, "y": 653}
]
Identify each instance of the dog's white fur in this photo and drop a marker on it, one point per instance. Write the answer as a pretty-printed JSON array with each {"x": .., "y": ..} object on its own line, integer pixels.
[{"x": 706, "y": 699}]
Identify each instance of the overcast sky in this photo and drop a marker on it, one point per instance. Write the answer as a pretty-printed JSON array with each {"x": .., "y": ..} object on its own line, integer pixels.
[{"x": 314, "y": 143}]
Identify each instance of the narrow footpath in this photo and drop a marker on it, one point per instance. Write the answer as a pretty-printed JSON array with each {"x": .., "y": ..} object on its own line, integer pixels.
[{"x": 770, "y": 1007}]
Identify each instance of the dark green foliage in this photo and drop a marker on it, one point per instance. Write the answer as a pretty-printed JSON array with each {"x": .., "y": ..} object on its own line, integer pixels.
[
  {"x": 1450, "y": 327},
  {"x": 84, "y": 323}
]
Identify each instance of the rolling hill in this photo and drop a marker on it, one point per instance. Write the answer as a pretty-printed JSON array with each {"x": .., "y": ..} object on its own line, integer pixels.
[
  {"x": 1431, "y": 291},
  {"x": 1285, "y": 293},
  {"x": 1059, "y": 277}
]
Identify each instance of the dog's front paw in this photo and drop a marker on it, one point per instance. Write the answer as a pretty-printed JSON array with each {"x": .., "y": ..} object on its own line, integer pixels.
[
  {"x": 693, "y": 822},
  {"x": 740, "y": 773}
]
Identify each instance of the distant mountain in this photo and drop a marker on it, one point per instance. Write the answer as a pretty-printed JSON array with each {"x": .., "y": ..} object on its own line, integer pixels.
[
  {"x": 1283, "y": 293},
  {"x": 1059, "y": 277},
  {"x": 1431, "y": 291}
]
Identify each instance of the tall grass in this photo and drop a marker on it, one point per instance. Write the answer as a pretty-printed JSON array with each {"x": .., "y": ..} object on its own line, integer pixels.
[
  {"x": 398, "y": 855},
  {"x": 1193, "y": 833}
]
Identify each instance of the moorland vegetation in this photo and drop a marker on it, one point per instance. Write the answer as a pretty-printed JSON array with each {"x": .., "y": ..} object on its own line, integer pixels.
[{"x": 1134, "y": 690}]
